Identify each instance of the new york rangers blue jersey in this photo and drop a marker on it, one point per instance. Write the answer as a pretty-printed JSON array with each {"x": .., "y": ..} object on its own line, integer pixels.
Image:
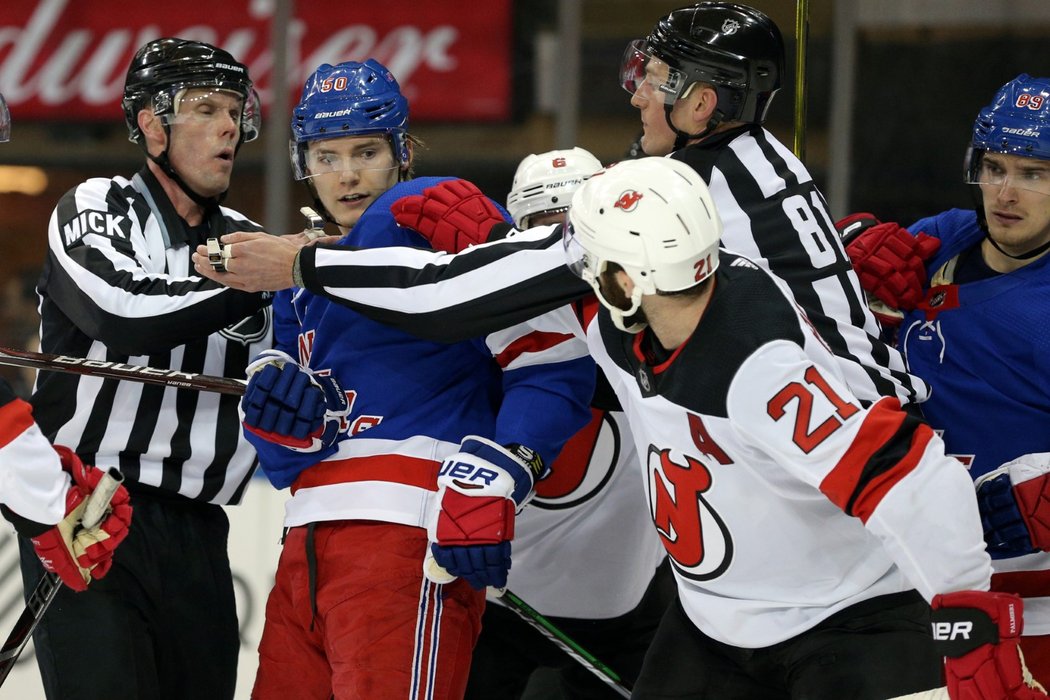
[
  {"x": 984, "y": 348},
  {"x": 413, "y": 400}
]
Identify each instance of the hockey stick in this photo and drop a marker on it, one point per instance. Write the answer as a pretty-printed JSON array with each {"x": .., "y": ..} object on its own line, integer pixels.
[
  {"x": 45, "y": 591},
  {"x": 545, "y": 627},
  {"x": 225, "y": 385},
  {"x": 120, "y": 370},
  {"x": 801, "y": 40}
]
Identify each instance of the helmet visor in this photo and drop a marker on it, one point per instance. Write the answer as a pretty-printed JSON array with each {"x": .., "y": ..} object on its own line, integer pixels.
[
  {"x": 994, "y": 171},
  {"x": 584, "y": 264},
  {"x": 200, "y": 105},
  {"x": 644, "y": 75},
  {"x": 327, "y": 156}
]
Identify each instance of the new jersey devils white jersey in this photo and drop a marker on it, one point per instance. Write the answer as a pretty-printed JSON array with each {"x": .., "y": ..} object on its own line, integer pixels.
[
  {"x": 585, "y": 547},
  {"x": 778, "y": 496}
]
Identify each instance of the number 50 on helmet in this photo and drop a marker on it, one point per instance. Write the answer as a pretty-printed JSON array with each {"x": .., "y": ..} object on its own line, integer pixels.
[{"x": 655, "y": 218}]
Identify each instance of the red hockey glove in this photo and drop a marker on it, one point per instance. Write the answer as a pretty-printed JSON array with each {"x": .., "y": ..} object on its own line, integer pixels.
[
  {"x": 889, "y": 260},
  {"x": 1014, "y": 502},
  {"x": 452, "y": 215},
  {"x": 978, "y": 633},
  {"x": 77, "y": 556},
  {"x": 480, "y": 488}
]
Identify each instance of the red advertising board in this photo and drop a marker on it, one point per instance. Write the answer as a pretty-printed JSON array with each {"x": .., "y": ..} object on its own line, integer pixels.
[{"x": 66, "y": 59}]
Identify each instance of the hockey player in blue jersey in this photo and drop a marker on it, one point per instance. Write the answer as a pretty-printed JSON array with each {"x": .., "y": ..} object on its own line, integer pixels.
[
  {"x": 976, "y": 331},
  {"x": 392, "y": 444}
]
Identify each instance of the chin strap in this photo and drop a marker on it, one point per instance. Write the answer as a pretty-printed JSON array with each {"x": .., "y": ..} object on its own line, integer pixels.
[
  {"x": 165, "y": 165},
  {"x": 1038, "y": 250},
  {"x": 681, "y": 138}
]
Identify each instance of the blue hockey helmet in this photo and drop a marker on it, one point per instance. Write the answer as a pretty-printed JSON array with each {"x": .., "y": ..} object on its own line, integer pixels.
[
  {"x": 349, "y": 99},
  {"x": 1017, "y": 122}
]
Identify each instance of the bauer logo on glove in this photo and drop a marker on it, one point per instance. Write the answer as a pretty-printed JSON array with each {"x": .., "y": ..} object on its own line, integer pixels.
[{"x": 480, "y": 489}]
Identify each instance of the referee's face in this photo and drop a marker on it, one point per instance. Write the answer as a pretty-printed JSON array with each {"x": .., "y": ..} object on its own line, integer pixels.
[
  {"x": 657, "y": 136},
  {"x": 204, "y": 135}
]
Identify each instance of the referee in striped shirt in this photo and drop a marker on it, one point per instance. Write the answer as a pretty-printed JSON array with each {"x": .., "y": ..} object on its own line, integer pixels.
[
  {"x": 118, "y": 285},
  {"x": 702, "y": 81}
]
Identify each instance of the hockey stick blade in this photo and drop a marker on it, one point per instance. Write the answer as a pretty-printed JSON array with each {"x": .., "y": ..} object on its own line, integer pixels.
[
  {"x": 45, "y": 591},
  {"x": 119, "y": 370}
]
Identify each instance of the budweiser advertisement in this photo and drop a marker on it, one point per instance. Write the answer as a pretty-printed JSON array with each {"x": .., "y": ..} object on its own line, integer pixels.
[{"x": 66, "y": 59}]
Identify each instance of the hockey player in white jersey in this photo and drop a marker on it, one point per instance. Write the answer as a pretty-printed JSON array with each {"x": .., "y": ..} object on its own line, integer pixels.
[
  {"x": 799, "y": 521},
  {"x": 585, "y": 555}
]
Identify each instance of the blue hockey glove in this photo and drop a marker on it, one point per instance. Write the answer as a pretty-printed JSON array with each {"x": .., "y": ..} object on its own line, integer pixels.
[
  {"x": 1014, "y": 502},
  {"x": 289, "y": 405},
  {"x": 480, "y": 488}
]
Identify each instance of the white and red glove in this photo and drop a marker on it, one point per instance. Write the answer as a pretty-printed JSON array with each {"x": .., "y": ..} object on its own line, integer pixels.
[
  {"x": 480, "y": 489},
  {"x": 1014, "y": 502},
  {"x": 77, "y": 555},
  {"x": 290, "y": 405},
  {"x": 978, "y": 633},
  {"x": 890, "y": 262},
  {"x": 452, "y": 215}
]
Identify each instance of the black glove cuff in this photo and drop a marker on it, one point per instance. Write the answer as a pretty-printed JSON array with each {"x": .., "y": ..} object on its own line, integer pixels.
[
  {"x": 530, "y": 457},
  {"x": 498, "y": 231},
  {"x": 851, "y": 228},
  {"x": 24, "y": 526},
  {"x": 958, "y": 631}
]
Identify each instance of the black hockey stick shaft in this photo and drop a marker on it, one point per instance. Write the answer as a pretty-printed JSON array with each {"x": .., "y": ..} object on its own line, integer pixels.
[
  {"x": 545, "y": 627},
  {"x": 121, "y": 370},
  {"x": 45, "y": 591}
]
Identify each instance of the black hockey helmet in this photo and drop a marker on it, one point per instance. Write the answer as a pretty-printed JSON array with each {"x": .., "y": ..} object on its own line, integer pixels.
[
  {"x": 163, "y": 67},
  {"x": 735, "y": 48}
]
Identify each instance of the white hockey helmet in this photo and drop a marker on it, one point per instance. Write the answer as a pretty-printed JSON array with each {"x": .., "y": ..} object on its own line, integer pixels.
[
  {"x": 544, "y": 182},
  {"x": 652, "y": 216}
]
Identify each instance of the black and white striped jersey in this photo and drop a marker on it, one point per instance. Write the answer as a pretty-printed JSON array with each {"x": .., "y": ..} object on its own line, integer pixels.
[
  {"x": 451, "y": 297},
  {"x": 773, "y": 213},
  {"x": 118, "y": 285},
  {"x": 447, "y": 297}
]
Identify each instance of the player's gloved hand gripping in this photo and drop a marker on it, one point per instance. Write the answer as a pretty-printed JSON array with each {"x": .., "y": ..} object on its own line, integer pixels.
[
  {"x": 890, "y": 262},
  {"x": 480, "y": 489},
  {"x": 287, "y": 404},
  {"x": 978, "y": 633},
  {"x": 452, "y": 215},
  {"x": 1014, "y": 502},
  {"x": 78, "y": 555}
]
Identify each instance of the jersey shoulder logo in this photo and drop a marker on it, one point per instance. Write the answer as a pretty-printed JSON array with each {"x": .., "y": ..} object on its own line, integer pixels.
[{"x": 252, "y": 329}]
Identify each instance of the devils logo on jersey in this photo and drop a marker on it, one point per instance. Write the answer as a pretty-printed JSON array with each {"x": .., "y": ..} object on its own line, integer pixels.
[
  {"x": 695, "y": 537},
  {"x": 693, "y": 534},
  {"x": 584, "y": 466}
]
